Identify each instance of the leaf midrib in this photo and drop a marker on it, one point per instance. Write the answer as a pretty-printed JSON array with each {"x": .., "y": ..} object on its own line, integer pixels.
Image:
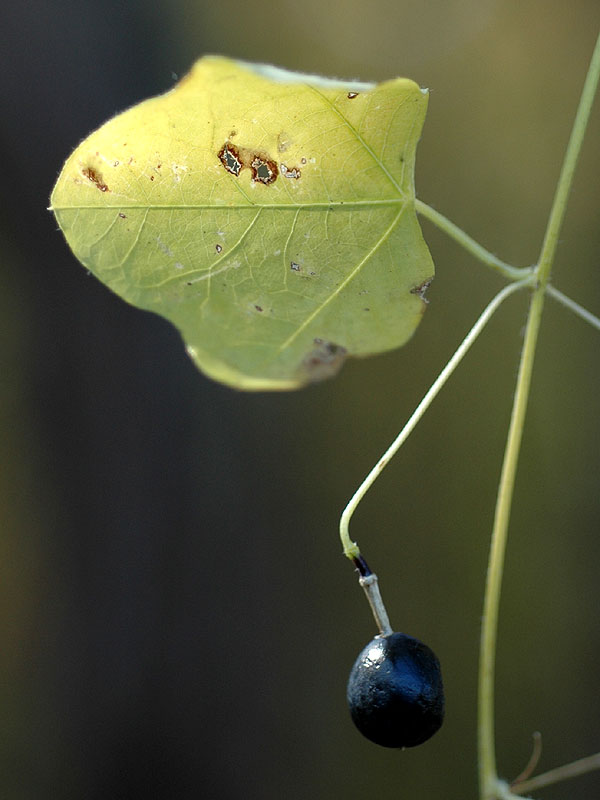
[{"x": 392, "y": 201}]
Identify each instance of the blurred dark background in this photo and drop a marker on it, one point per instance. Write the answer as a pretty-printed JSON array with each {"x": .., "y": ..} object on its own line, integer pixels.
[{"x": 178, "y": 621}]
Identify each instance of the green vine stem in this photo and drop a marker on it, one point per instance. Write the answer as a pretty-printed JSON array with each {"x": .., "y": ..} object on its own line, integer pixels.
[{"x": 490, "y": 786}]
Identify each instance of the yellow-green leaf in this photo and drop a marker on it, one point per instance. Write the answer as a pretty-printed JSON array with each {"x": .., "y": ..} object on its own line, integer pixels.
[{"x": 269, "y": 215}]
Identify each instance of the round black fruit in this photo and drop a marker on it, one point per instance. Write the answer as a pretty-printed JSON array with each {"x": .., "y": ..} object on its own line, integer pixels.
[{"x": 395, "y": 691}]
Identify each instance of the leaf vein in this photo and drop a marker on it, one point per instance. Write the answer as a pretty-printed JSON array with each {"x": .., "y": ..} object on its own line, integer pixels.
[{"x": 344, "y": 283}]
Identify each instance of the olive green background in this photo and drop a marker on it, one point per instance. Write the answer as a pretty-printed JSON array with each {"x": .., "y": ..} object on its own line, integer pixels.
[{"x": 178, "y": 621}]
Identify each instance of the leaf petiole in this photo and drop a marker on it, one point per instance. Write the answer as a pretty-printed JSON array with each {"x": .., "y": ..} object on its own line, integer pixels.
[{"x": 470, "y": 245}]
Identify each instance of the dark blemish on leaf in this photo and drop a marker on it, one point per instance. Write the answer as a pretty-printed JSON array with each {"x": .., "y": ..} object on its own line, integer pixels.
[
  {"x": 218, "y": 248},
  {"x": 295, "y": 267},
  {"x": 324, "y": 360},
  {"x": 421, "y": 289},
  {"x": 366, "y": 309},
  {"x": 123, "y": 216},
  {"x": 151, "y": 177},
  {"x": 303, "y": 161},
  {"x": 235, "y": 159},
  {"x": 189, "y": 283},
  {"x": 263, "y": 170},
  {"x": 96, "y": 178},
  {"x": 232, "y": 134},
  {"x": 258, "y": 308},
  {"x": 116, "y": 163},
  {"x": 352, "y": 95},
  {"x": 289, "y": 172},
  {"x": 230, "y": 158}
]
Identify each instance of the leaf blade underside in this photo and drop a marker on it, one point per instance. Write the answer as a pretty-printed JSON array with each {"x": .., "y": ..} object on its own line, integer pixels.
[{"x": 269, "y": 216}]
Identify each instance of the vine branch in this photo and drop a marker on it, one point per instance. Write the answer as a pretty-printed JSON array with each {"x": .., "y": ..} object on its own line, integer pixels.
[
  {"x": 572, "y": 770},
  {"x": 488, "y": 777}
]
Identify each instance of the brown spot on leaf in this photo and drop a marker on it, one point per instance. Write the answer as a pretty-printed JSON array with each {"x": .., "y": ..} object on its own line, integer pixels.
[
  {"x": 123, "y": 216},
  {"x": 352, "y": 95},
  {"x": 324, "y": 361},
  {"x": 230, "y": 158},
  {"x": 421, "y": 289},
  {"x": 263, "y": 170},
  {"x": 295, "y": 267},
  {"x": 95, "y": 177},
  {"x": 258, "y": 308},
  {"x": 235, "y": 159},
  {"x": 218, "y": 248}
]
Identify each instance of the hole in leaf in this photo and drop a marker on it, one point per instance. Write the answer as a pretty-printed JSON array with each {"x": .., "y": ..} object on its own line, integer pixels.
[
  {"x": 230, "y": 158},
  {"x": 263, "y": 170}
]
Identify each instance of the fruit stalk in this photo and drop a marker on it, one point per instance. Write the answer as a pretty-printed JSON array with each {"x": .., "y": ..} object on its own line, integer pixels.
[{"x": 370, "y": 584}]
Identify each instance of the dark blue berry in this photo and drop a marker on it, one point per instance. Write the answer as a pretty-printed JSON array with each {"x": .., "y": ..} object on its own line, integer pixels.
[{"x": 395, "y": 691}]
